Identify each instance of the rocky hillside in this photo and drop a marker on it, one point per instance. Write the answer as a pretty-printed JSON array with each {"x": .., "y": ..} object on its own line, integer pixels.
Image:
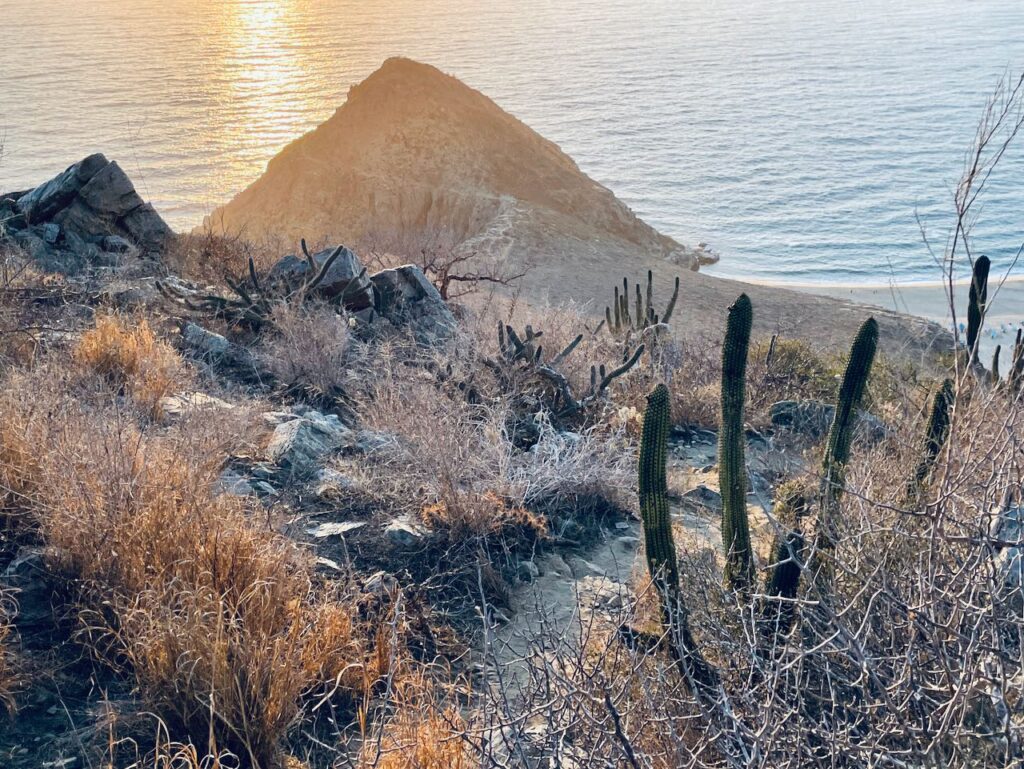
[{"x": 413, "y": 148}]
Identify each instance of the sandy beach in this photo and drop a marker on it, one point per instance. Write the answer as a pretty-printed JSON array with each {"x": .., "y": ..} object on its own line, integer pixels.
[{"x": 930, "y": 301}]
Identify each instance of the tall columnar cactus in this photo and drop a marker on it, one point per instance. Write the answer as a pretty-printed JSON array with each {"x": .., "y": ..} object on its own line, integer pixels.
[
  {"x": 618, "y": 317},
  {"x": 659, "y": 545},
  {"x": 977, "y": 299},
  {"x": 1015, "y": 376},
  {"x": 935, "y": 437},
  {"x": 840, "y": 436},
  {"x": 660, "y": 548},
  {"x": 994, "y": 372},
  {"x": 732, "y": 472}
]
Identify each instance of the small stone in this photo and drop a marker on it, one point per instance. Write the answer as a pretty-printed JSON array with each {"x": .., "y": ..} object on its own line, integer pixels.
[
  {"x": 527, "y": 571},
  {"x": 622, "y": 525},
  {"x": 180, "y": 404},
  {"x": 380, "y": 583},
  {"x": 335, "y": 529},
  {"x": 402, "y": 532},
  {"x": 263, "y": 489},
  {"x": 232, "y": 484},
  {"x": 330, "y": 484},
  {"x": 115, "y": 244},
  {"x": 327, "y": 564}
]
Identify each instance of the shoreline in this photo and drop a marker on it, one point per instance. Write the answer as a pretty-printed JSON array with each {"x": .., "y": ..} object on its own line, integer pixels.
[{"x": 930, "y": 301}]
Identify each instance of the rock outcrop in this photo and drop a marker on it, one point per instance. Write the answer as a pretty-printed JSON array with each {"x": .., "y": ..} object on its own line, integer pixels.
[
  {"x": 89, "y": 214},
  {"x": 414, "y": 149}
]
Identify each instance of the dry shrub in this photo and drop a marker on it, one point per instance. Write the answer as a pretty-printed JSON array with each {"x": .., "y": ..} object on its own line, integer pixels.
[
  {"x": 206, "y": 256},
  {"x": 423, "y": 732},
  {"x": 129, "y": 356},
  {"x": 308, "y": 347},
  {"x": 211, "y": 611}
]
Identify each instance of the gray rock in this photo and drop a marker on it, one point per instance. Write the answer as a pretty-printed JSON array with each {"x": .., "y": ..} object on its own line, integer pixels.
[
  {"x": 298, "y": 446},
  {"x": 47, "y": 199},
  {"x": 90, "y": 204},
  {"x": 222, "y": 354},
  {"x": 702, "y": 496},
  {"x": 28, "y": 576},
  {"x": 110, "y": 192},
  {"x": 407, "y": 299},
  {"x": 115, "y": 244},
  {"x": 815, "y": 418},
  {"x": 335, "y": 529},
  {"x": 380, "y": 583},
  {"x": 332, "y": 485},
  {"x": 263, "y": 489},
  {"x": 146, "y": 227},
  {"x": 342, "y": 272},
  {"x": 402, "y": 532},
  {"x": 527, "y": 571},
  {"x": 50, "y": 232},
  {"x": 233, "y": 484}
]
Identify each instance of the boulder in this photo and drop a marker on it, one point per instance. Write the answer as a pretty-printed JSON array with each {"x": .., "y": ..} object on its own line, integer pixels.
[
  {"x": 90, "y": 212},
  {"x": 407, "y": 299},
  {"x": 345, "y": 268},
  {"x": 222, "y": 354},
  {"x": 702, "y": 496},
  {"x": 298, "y": 446},
  {"x": 815, "y": 419}
]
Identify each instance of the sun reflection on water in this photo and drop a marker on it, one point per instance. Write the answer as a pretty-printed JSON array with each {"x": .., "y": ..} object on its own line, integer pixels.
[{"x": 268, "y": 76}]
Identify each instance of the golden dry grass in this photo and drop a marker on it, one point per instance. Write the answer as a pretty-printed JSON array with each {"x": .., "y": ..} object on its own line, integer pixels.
[
  {"x": 130, "y": 356},
  {"x": 212, "y": 612}
]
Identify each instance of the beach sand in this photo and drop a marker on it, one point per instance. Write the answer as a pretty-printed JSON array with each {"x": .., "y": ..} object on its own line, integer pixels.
[{"x": 930, "y": 301}]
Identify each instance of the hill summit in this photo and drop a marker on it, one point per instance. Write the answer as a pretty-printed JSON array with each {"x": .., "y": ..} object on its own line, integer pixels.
[{"x": 415, "y": 149}]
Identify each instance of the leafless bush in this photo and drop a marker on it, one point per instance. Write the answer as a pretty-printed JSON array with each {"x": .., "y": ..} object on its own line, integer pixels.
[
  {"x": 8, "y": 679},
  {"x": 308, "y": 347}
]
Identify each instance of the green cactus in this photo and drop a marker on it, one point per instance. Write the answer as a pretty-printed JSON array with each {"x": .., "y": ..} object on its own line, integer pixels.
[
  {"x": 976, "y": 306},
  {"x": 732, "y": 472},
  {"x": 837, "y": 450},
  {"x": 994, "y": 373},
  {"x": 659, "y": 545},
  {"x": 618, "y": 318},
  {"x": 1015, "y": 375},
  {"x": 935, "y": 437},
  {"x": 660, "y": 548},
  {"x": 788, "y": 552}
]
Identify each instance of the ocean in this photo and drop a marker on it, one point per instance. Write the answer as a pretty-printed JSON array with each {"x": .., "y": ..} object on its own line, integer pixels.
[{"x": 813, "y": 141}]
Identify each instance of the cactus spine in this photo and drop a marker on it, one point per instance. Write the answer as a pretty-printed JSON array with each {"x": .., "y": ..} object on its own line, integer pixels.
[
  {"x": 659, "y": 545},
  {"x": 935, "y": 437},
  {"x": 840, "y": 436},
  {"x": 739, "y": 567},
  {"x": 976, "y": 305}
]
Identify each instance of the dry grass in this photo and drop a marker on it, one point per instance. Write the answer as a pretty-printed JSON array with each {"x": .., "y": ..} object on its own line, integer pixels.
[
  {"x": 213, "y": 613},
  {"x": 128, "y": 354},
  {"x": 308, "y": 348}
]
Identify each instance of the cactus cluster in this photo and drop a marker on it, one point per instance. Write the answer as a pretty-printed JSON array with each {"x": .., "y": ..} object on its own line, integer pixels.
[
  {"x": 977, "y": 305},
  {"x": 523, "y": 353},
  {"x": 732, "y": 472},
  {"x": 620, "y": 320}
]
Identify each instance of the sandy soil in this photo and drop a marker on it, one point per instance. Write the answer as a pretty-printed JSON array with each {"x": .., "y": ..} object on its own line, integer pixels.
[{"x": 931, "y": 301}]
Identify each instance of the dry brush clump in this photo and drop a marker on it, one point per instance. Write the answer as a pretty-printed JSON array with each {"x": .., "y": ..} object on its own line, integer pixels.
[
  {"x": 128, "y": 353},
  {"x": 215, "y": 616},
  {"x": 308, "y": 348}
]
